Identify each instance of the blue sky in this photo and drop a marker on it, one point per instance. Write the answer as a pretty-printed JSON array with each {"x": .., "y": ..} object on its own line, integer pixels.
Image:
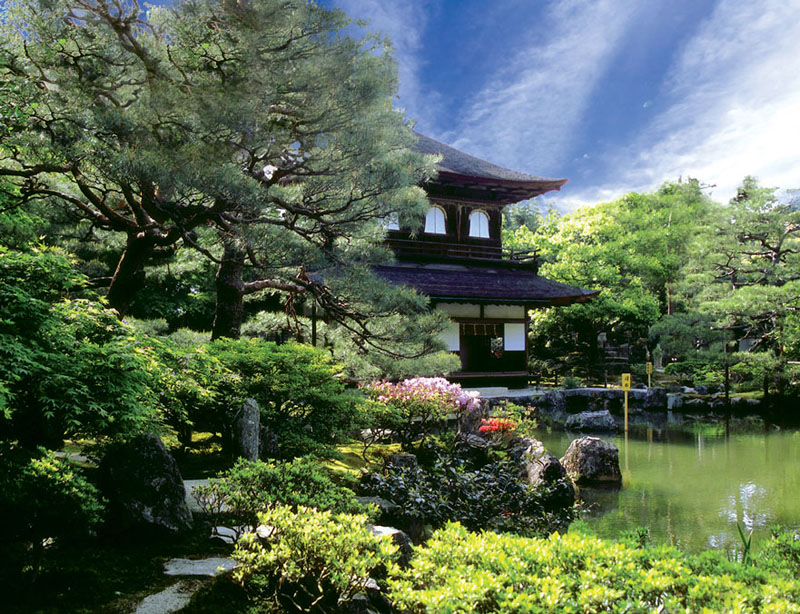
[{"x": 616, "y": 95}]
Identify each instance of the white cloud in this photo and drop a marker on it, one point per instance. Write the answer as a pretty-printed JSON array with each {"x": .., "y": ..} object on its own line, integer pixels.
[
  {"x": 735, "y": 92},
  {"x": 404, "y": 22},
  {"x": 528, "y": 115}
]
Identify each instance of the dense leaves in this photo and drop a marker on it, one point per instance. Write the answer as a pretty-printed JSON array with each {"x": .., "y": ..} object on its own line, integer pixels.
[
  {"x": 459, "y": 571},
  {"x": 43, "y": 497},
  {"x": 236, "y": 496},
  {"x": 71, "y": 368},
  {"x": 309, "y": 560},
  {"x": 298, "y": 389},
  {"x": 490, "y": 496}
]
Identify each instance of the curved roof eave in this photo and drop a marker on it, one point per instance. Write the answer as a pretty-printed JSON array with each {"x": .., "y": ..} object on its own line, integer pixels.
[{"x": 456, "y": 163}]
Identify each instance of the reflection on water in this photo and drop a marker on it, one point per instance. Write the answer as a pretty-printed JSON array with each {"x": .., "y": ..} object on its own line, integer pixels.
[{"x": 691, "y": 488}]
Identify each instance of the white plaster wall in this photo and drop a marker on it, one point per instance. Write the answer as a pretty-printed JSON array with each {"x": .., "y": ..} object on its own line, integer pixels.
[
  {"x": 504, "y": 311},
  {"x": 514, "y": 337},
  {"x": 451, "y": 337},
  {"x": 459, "y": 310}
]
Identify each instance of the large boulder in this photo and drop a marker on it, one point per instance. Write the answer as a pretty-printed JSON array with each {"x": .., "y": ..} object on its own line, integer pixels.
[
  {"x": 144, "y": 488},
  {"x": 540, "y": 468},
  {"x": 247, "y": 430},
  {"x": 600, "y": 421},
  {"x": 590, "y": 460}
]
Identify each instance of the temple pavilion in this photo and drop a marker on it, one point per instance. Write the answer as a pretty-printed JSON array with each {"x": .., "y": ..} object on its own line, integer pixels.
[{"x": 458, "y": 260}]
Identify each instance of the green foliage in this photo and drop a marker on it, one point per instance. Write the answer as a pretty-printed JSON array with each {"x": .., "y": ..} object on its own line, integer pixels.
[
  {"x": 311, "y": 559},
  {"x": 43, "y": 497},
  {"x": 267, "y": 143},
  {"x": 459, "y": 571},
  {"x": 361, "y": 362},
  {"x": 237, "y": 495},
  {"x": 298, "y": 389},
  {"x": 490, "y": 496},
  {"x": 71, "y": 368},
  {"x": 631, "y": 250},
  {"x": 697, "y": 371},
  {"x": 191, "y": 388},
  {"x": 781, "y": 552}
]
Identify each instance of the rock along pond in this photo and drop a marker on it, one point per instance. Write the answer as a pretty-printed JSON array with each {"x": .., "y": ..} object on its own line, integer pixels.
[{"x": 691, "y": 487}]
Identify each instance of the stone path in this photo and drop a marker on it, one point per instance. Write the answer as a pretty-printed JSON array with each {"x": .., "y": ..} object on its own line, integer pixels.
[
  {"x": 195, "y": 572},
  {"x": 171, "y": 599}
]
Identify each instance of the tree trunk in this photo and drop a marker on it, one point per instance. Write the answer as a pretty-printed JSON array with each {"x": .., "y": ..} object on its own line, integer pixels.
[
  {"x": 129, "y": 276},
  {"x": 230, "y": 294}
]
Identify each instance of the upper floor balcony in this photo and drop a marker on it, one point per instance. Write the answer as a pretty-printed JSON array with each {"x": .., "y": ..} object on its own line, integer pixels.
[{"x": 462, "y": 253}]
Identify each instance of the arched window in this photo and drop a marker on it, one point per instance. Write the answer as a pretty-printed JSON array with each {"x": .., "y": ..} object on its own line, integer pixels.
[
  {"x": 479, "y": 225},
  {"x": 434, "y": 221}
]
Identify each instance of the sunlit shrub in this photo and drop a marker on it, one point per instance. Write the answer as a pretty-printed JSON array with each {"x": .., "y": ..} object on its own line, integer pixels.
[
  {"x": 44, "y": 498},
  {"x": 307, "y": 560},
  {"x": 459, "y": 571},
  {"x": 240, "y": 493}
]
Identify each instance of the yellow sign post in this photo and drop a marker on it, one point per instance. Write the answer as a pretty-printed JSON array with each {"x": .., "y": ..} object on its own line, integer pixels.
[
  {"x": 626, "y": 385},
  {"x": 649, "y": 374}
]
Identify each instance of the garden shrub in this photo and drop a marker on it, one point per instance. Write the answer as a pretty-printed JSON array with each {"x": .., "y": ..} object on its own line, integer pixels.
[
  {"x": 70, "y": 367},
  {"x": 696, "y": 371},
  {"x": 311, "y": 559},
  {"x": 459, "y": 571},
  {"x": 782, "y": 552},
  {"x": 492, "y": 496},
  {"x": 419, "y": 406},
  {"x": 240, "y": 493},
  {"x": 298, "y": 389},
  {"x": 44, "y": 498},
  {"x": 190, "y": 390}
]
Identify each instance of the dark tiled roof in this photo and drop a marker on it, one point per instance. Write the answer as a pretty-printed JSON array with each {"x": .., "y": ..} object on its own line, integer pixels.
[
  {"x": 483, "y": 284},
  {"x": 455, "y": 161}
]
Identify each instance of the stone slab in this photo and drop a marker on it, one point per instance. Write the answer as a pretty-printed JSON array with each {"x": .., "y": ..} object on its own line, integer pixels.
[
  {"x": 171, "y": 599},
  {"x": 212, "y": 566}
]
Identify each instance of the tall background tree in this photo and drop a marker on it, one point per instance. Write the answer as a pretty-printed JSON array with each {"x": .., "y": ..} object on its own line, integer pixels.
[{"x": 259, "y": 135}]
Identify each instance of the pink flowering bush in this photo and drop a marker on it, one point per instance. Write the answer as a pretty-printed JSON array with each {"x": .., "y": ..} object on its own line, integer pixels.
[{"x": 419, "y": 405}]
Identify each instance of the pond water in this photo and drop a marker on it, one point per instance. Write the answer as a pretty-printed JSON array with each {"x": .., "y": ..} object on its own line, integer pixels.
[{"x": 690, "y": 488}]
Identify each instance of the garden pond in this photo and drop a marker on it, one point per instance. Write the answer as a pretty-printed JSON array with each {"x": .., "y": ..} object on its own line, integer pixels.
[{"x": 691, "y": 487}]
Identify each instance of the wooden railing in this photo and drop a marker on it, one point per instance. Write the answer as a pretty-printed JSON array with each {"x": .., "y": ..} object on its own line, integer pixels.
[{"x": 412, "y": 250}]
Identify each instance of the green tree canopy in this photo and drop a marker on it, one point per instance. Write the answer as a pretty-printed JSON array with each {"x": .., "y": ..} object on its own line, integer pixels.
[{"x": 259, "y": 134}]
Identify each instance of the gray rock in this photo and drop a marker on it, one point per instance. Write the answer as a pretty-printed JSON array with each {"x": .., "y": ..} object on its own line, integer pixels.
[
  {"x": 386, "y": 507},
  {"x": 400, "y": 539},
  {"x": 541, "y": 468},
  {"x": 402, "y": 461},
  {"x": 674, "y": 401},
  {"x": 143, "y": 486},
  {"x": 246, "y": 430},
  {"x": 591, "y": 421},
  {"x": 539, "y": 465},
  {"x": 590, "y": 460},
  {"x": 655, "y": 398},
  {"x": 198, "y": 567}
]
